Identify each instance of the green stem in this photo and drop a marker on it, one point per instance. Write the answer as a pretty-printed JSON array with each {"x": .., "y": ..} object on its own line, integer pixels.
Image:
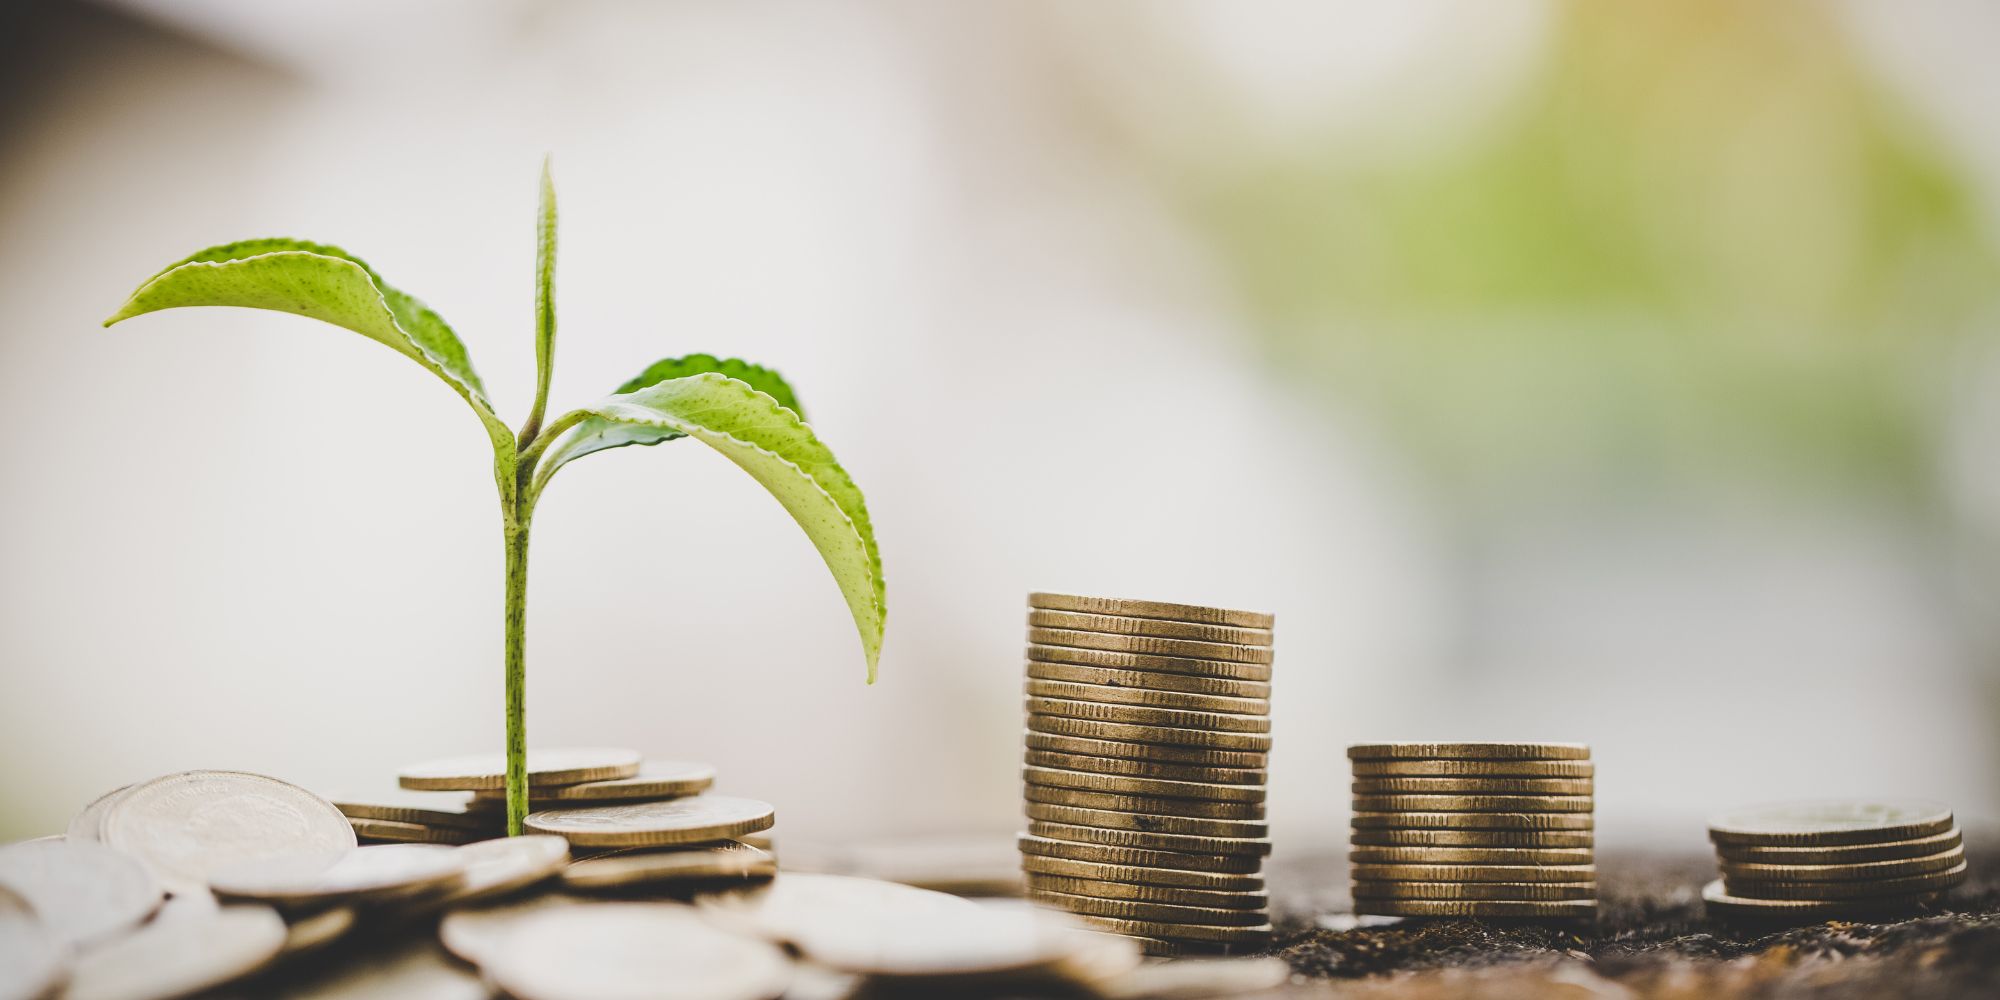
[{"x": 517, "y": 670}]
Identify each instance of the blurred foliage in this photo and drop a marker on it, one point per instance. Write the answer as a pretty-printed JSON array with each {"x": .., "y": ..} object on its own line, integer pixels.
[{"x": 1702, "y": 247}]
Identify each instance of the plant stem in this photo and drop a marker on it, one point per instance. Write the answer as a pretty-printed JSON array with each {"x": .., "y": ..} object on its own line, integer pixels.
[{"x": 517, "y": 670}]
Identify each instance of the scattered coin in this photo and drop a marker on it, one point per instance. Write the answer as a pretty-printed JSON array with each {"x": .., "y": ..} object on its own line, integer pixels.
[
  {"x": 81, "y": 891},
  {"x": 1145, "y": 680},
  {"x": 1036, "y": 864},
  {"x": 1113, "y": 820},
  {"x": 1193, "y": 666},
  {"x": 1457, "y": 768},
  {"x": 1162, "y": 628},
  {"x": 1476, "y": 751},
  {"x": 1908, "y": 884},
  {"x": 1471, "y": 786},
  {"x": 473, "y": 933},
  {"x": 1149, "y": 697},
  {"x": 667, "y": 822},
  {"x": 88, "y": 823},
  {"x": 1722, "y": 904},
  {"x": 365, "y": 874},
  {"x": 317, "y": 930},
  {"x": 1851, "y": 854},
  {"x": 1137, "y": 892},
  {"x": 1564, "y": 910},
  {"x": 1473, "y": 803},
  {"x": 610, "y": 951},
  {"x": 1856, "y": 872},
  {"x": 1159, "y": 753},
  {"x": 1122, "y": 785},
  {"x": 1387, "y": 837},
  {"x": 1152, "y": 804},
  {"x": 173, "y": 958},
  {"x": 409, "y": 968},
  {"x": 1471, "y": 855},
  {"x": 187, "y": 826},
  {"x": 1150, "y": 646},
  {"x": 553, "y": 766},
  {"x": 705, "y": 864},
  {"x": 1473, "y": 820},
  {"x": 505, "y": 865},
  {"x": 31, "y": 958},
  {"x": 1830, "y": 823},
  {"x": 412, "y": 833},
  {"x": 399, "y": 805},
  {"x": 1183, "y": 843},
  {"x": 1142, "y": 715},
  {"x": 657, "y": 779},
  {"x": 1146, "y": 768},
  {"x": 1150, "y": 609},
  {"x": 1246, "y": 864}
]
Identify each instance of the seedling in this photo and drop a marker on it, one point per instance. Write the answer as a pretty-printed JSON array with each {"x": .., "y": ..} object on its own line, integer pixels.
[{"x": 745, "y": 411}]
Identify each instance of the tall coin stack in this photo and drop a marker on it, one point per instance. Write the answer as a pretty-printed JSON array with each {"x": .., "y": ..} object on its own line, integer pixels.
[
  {"x": 1811, "y": 861},
  {"x": 1473, "y": 830},
  {"x": 1148, "y": 731}
]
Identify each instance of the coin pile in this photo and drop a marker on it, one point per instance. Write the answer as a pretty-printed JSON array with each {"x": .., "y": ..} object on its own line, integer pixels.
[
  {"x": 1804, "y": 862},
  {"x": 1148, "y": 728},
  {"x": 1496, "y": 830}
]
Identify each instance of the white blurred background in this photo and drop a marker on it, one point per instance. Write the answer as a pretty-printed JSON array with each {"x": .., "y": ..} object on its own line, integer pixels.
[{"x": 1552, "y": 370}]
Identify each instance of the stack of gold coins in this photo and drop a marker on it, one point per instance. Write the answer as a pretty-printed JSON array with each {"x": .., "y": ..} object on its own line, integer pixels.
[
  {"x": 1496, "y": 830},
  {"x": 1148, "y": 731},
  {"x": 1812, "y": 861}
]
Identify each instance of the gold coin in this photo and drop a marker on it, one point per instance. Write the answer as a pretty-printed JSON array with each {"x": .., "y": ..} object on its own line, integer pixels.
[
  {"x": 662, "y": 823},
  {"x": 1931, "y": 882},
  {"x": 702, "y": 865},
  {"x": 1182, "y": 701},
  {"x": 1178, "y": 932},
  {"x": 189, "y": 825},
  {"x": 379, "y": 872},
  {"x": 1474, "y": 803},
  {"x": 1126, "y": 909},
  {"x": 1036, "y": 864},
  {"x": 1150, "y": 609},
  {"x": 1469, "y": 751},
  {"x": 1111, "y": 820},
  {"x": 1572, "y": 910},
  {"x": 1175, "y": 842},
  {"x": 1148, "y": 680},
  {"x": 179, "y": 956},
  {"x": 1135, "y": 857},
  {"x": 1521, "y": 891},
  {"x": 1473, "y": 873},
  {"x": 1158, "y": 753},
  {"x": 1150, "y": 646},
  {"x": 1830, "y": 823},
  {"x": 1854, "y": 854},
  {"x": 1142, "y": 715},
  {"x": 412, "y": 833},
  {"x": 401, "y": 805},
  {"x": 1092, "y": 729},
  {"x": 1471, "y": 855},
  {"x": 1386, "y": 837},
  {"x": 1193, "y": 666},
  {"x": 1146, "y": 768},
  {"x": 1161, "y": 628},
  {"x": 1152, "y": 804},
  {"x": 661, "y": 950},
  {"x": 553, "y": 766},
  {"x": 1471, "y": 786},
  {"x": 1121, "y": 785},
  {"x": 1150, "y": 893},
  {"x": 1855, "y": 872},
  {"x": 1722, "y": 904},
  {"x": 1472, "y": 821},
  {"x": 1473, "y": 769},
  {"x": 82, "y": 891},
  {"x": 657, "y": 779}
]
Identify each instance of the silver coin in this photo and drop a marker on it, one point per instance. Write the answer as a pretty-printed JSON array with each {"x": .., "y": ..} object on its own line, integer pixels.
[
  {"x": 31, "y": 958},
  {"x": 88, "y": 823},
  {"x": 614, "y": 951},
  {"x": 382, "y": 871},
  {"x": 505, "y": 865},
  {"x": 698, "y": 865},
  {"x": 173, "y": 958},
  {"x": 187, "y": 826},
  {"x": 81, "y": 890}
]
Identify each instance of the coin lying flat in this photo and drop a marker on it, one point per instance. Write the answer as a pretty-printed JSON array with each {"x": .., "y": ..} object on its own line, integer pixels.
[
  {"x": 1830, "y": 823},
  {"x": 1045, "y": 669},
  {"x": 1861, "y": 871},
  {"x": 1852, "y": 854},
  {"x": 1471, "y": 786},
  {"x": 172, "y": 958},
  {"x": 1722, "y": 904},
  {"x": 88, "y": 823},
  {"x": 412, "y": 833},
  {"x": 1148, "y": 697},
  {"x": 473, "y": 933},
  {"x": 1908, "y": 884},
  {"x": 1150, "y": 646},
  {"x": 505, "y": 865},
  {"x": 186, "y": 826},
  {"x": 1136, "y": 857},
  {"x": 667, "y": 822},
  {"x": 1387, "y": 837},
  {"x": 1094, "y": 730},
  {"x": 1159, "y": 753},
  {"x": 657, "y": 779},
  {"x": 1157, "y": 627},
  {"x": 316, "y": 931},
  {"x": 619, "y": 950},
  {"x": 1522, "y": 891},
  {"x": 1038, "y": 865},
  {"x": 81, "y": 891},
  {"x": 1150, "y": 609},
  {"x": 385, "y": 871},
  {"x": 413, "y": 968},
  {"x": 400, "y": 805},
  {"x": 1558, "y": 910},
  {"x": 1168, "y": 931},
  {"x": 1113, "y": 820},
  {"x": 1193, "y": 666},
  {"x": 706, "y": 864},
  {"x": 1121, "y": 785},
  {"x": 1126, "y": 909},
  {"x": 552, "y": 766},
  {"x": 1473, "y": 820},
  {"x": 31, "y": 958},
  {"x": 1150, "y": 893},
  {"x": 1184, "y": 843},
  {"x": 1471, "y": 855},
  {"x": 1146, "y": 768},
  {"x": 1390, "y": 768},
  {"x": 1145, "y": 715},
  {"x": 1473, "y": 873},
  {"x": 1473, "y": 751},
  {"x": 1150, "y": 804},
  {"x": 1474, "y": 803}
]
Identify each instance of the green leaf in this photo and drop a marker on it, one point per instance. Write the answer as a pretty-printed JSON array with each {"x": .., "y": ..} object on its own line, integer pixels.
[
  {"x": 595, "y": 434},
  {"x": 769, "y": 441},
  {"x": 545, "y": 298},
  {"x": 327, "y": 284}
]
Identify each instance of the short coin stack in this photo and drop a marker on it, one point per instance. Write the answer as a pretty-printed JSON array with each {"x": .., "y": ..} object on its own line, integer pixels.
[
  {"x": 1148, "y": 731},
  {"x": 1494, "y": 830},
  {"x": 1811, "y": 861}
]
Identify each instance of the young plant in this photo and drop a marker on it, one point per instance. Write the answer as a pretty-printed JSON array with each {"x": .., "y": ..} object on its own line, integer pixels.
[{"x": 745, "y": 411}]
